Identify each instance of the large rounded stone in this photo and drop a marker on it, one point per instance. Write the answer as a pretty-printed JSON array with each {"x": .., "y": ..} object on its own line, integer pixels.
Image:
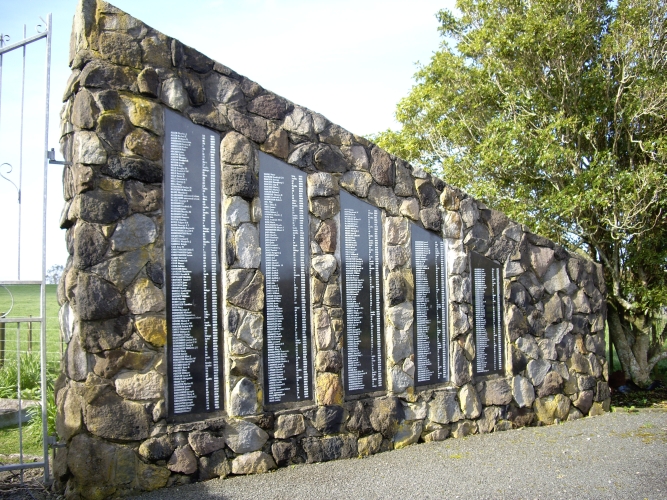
[
  {"x": 97, "y": 299},
  {"x": 174, "y": 94},
  {"x": 444, "y": 407},
  {"x": 523, "y": 392},
  {"x": 91, "y": 462},
  {"x": 321, "y": 184},
  {"x": 97, "y": 336},
  {"x": 324, "y": 266},
  {"x": 204, "y": 443},
  {"x": 120, "y": 48},
  {"x": 369, "y": 445},
  {"x": 401, "y": 316},
  {"x": 382, "y": 167},
  {"x": 134, "y": 232},
  {"x": 431, "y": 218},
  {"x": 269, "y": 106},
  {"x": 159, "y": 448},
  {"x": 399, "y": 344},
  {"x": 88, "y": 149},
  {"x": 143, "y": 297},
  {"x": 236, "y": 211},
  {"x": 326, "y": 419},
  {"x": 89, "y": 244},
  {"x": 256, "y": 462},
  {"x": 144, "y": 144},
  {"x": 133, "y": 168},
  {"x": 144, "y": 113},
  {"x": 428, "y": 196},
  {"x": 398, "y": 381},
  {"x": 356, "y": 182},
  {"x": 385, "y": 415},
  {"x": 329, "y": 361},
  {"x": 122, "y": 270},
  {"x": 248, "y": 251},
  {"x": 556, "y": 278},
  {"x": 153, "y": 329},
  {"x": 470, "y": 403},
  {"x": 215, "y": 465},
  {"x": 329, "y": 389},
  {"x": 289, "y": 425},
  {"x": 243, "y": 399},
  {"x": 244, "y": 437},
  {"x": 84, "y": 110},
  {"x": 111, "y": 417},
  {"x": 183, "y": 461},
  {"x": 102, "y": 207},
  {"x": 537, "y": 370},
  {"x": 236, "y": 149},
  {"x": 245, "y": 289},
  {"x": 239, "y": 182},
  {"x": 540, "y": 258},
  {"x": 407, "y": 433},
  {"x": 327, "y": 236},
  {"x": 140, "y": 386},
  {"x": 494, "y": 392}
]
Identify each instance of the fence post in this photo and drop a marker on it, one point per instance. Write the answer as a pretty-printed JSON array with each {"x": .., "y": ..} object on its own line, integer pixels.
[
  {"x": 2, "y": 343},
  {"x": 30, "y": 335}
]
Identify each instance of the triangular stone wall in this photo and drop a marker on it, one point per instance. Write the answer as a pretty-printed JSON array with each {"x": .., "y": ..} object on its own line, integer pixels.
[{"x": 113, "y": 413}]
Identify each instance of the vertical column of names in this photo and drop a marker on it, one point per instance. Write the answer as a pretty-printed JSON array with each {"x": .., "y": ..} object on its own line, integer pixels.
[
  {"x": 180, "y": 252},
  {"x": 488, "y": 315},
  {"x": 272, "y": 228},
  {"x": 284, "y": 241},
  {"x": 422, "y": 290},
  {"x": 441, "y": 309},
  {"x": 191, "y": 236},
  {"x": 481, "y": 339},
  {"x": 362, "y": 290},
  {"x": 430, "y": 330}
]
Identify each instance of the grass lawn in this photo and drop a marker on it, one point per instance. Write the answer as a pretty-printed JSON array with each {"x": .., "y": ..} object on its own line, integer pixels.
[{"x": 27, "y": 303}]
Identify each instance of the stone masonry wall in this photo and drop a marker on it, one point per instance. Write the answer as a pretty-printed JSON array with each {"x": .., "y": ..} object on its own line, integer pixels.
[{"x": 110, "y": 395}]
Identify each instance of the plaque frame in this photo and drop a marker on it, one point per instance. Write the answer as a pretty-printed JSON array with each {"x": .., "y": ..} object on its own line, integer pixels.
[{"x": 477, "y": 261}]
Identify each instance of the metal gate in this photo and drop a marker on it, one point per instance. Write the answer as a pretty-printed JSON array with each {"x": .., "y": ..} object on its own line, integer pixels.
[{"x": 21, "y": 326}]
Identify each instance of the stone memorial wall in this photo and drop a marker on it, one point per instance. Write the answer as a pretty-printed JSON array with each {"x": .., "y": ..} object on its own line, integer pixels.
[{"x": 251, "y": 286}]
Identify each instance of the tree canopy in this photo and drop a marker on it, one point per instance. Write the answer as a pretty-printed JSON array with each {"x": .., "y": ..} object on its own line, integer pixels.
[{"x": 556, "y": 114}]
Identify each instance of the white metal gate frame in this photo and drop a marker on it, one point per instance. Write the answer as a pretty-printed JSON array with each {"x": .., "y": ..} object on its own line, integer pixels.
[{"x": 49, "y": 157}]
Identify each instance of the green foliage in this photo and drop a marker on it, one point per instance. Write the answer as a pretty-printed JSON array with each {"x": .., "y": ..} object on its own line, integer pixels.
[
  {"x": 556, "y": 114},
  {"x": 30, "y": 389},
  {"x": 30, "y": 377}
]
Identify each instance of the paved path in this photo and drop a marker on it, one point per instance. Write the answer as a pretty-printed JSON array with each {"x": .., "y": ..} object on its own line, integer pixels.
[{"x": 618, "y": 455}]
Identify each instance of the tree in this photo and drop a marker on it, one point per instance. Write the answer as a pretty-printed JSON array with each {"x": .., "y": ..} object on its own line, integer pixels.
[
  {"x": 556, "y": 113},
  {"x": 54, "y": 273}
]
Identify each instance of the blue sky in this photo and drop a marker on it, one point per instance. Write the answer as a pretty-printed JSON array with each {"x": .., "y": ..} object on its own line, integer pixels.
[{"x": 350, "y": 60}]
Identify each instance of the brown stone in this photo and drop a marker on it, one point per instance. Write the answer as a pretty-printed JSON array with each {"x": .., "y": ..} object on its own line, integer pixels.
[
  {"x": 277, "y": 144},
  {"x": 183, "y": 460},
  {"x": 111, "y": 417},
  {"x": 328, "y": 361},
  {"x": 152, "y": 329},
  {"x": 144, "y": 144},
  {"x": 382, "y": 167},
  {"x": 329, "y": 389},
  {"x": 327, "y": 235}
]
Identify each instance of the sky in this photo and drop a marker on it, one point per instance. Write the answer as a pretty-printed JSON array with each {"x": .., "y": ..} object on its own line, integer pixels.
[{"x": 350, "y": 60}]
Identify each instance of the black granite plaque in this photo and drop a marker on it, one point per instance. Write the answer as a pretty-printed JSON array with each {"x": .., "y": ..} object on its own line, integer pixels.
[
  {"x": 285, "y": 264},
  {"x": 192, "y": 229},
  {"x": 362, "y": 291},
  {"x": 487, "y": 296},
  {"x": 430, "y": 335}
]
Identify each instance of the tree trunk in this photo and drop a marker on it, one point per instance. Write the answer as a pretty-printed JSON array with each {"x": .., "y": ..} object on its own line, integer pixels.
[{"x": 631, "y": 343}]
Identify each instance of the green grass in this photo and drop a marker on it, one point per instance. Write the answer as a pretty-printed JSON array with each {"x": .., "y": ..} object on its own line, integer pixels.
[{"x": 27, "y": 303}]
